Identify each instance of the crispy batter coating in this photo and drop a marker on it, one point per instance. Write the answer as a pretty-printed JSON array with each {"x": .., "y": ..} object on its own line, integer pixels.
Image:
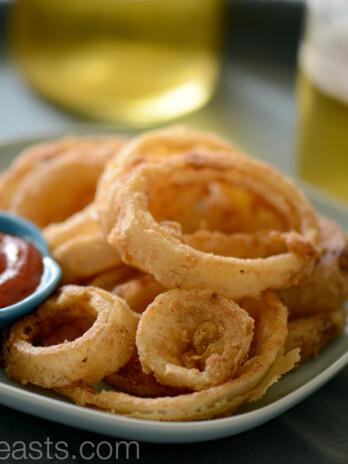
[
  {"x": 132, "y": 379},
  {"x": 107, "y": 345},
  {"x": 175, "y": 262},
  {"x": 326, "y": 288},
  {"x": 139, "y": 292},
  {"x": 194, "y": 339},
  {"x": 311, "y": 334},
  {"x": 50, "y": 182},
  {"x": 152, "y": 246},
  {"x": 267, "y": 362},
  {"x": 154, "y": 145}
]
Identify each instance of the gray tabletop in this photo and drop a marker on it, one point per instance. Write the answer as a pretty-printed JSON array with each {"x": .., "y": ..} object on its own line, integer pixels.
[{"x": 254, "y": 106}]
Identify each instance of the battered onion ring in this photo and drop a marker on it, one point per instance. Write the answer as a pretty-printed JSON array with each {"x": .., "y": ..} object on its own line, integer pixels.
[
  {"x": 79, "y": 247},
  {"x": 132, "y": 379},
  {"x": 139, "y": 292},
  {"x": 150, "y": 146},
  {"x": 326, "y": 288},
  {"x": 265, "y": 365},
  {"x": 85, "y": 256},
  {"x": 311, "y": 334},
  {"x": 193, "y": 339},
  {"x": 25, "y": 162},
  {"x": 52, "y": 190},
  {"x": 111, "y": 279},
  {"x": 104, "y": 348},
  {"x": 82, "y": 223},
  {"x": 150, "y": 246},
  {"x": 215, "y": 206},
  {"x": 240, "y": 245}
]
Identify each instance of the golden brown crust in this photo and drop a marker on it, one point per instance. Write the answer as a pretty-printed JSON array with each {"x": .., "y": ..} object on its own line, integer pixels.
[
  {"x": 106, "y": 346},
  {"x": 42, "y": 185},
  {"x": 139, "y": 292},
  {"x": 202, "y": 219},
  {"x": 326, "y": 288},
  {"x": 311, "y": 334},
  {"x": 266, "y": 364},
  {"x": 132, "y": 379},
  {"x": 195, "y": 339},
  {"x": 151, "y": 246}
]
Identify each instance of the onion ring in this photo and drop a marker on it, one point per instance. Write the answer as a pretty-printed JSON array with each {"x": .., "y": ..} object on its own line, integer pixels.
[
  {"x": 311, "y": 334},
  {"x": 240, "y": 245},
  {"x": 132, "y": 379},
  {"x": 83, "y": 222},
  {"x": 326, "y": 288},
  {"x": 176, "y": 265},
  {"x": 154, "y": 145},
  {"x": 193, "y": 339},
  {"x": 85, "y": 256},
  {"x": 264, "y": 367},
  {"x": 36, "y": 194},
  {"x": 215, "y": 206},
  {"x": 111, "y": 279},
  {"x": 104, "y": 348},
  {"x": 25, "y": 162},
  {"x": 79, "y": 247},
  {"x": 139, "y": 292}
]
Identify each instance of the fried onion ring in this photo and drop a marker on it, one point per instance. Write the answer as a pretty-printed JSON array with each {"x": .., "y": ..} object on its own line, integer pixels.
[
  {"x": 85, "y": 256},
  {"x": 100, "y": 351},
  {"x": 264, "y": 367},
  {"x": 215, "y": 206},
  {"x": 132, "y": 379},
  {"x": 79, "y": 247},
  {"x": 326, "y": 288},
  {"x": 240, "y": 245},
  {"x": 82, "y": 223},
  {"x": 48, "y": 191},
  {"x": 194, "y": 339},
  {"x": 111, "y": 279},
  {"x": 150, "y": 146},
  {"x": 311, "y": 334},
  {"x": 151, "y": 246},
  {"x": 139, "y": 292},
  {"x": 25, "y": 162}
]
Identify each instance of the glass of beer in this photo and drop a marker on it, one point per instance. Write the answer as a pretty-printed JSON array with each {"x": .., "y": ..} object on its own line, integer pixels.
[
  {"x": 134, "y": 62},
  {"x": 323, "y": 96}
]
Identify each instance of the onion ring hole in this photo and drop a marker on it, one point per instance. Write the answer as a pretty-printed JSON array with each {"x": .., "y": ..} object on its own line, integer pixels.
[{"x": 66, "y": 325}]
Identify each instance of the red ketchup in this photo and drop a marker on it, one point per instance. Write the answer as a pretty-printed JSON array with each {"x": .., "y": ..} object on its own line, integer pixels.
[{"x": 20, "y": 269}]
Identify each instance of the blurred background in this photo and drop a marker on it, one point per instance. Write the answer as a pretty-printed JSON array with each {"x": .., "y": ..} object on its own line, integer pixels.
[{"x": 254, "y": 101}]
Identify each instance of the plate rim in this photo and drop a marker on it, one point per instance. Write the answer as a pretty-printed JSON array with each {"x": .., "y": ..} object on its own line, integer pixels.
[{"x": 225, "y": 426}]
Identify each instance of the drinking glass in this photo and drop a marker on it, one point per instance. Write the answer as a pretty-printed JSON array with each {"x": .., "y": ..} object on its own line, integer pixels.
[
  {"x": 323, "y": 96},
  {"x": 137, "y": 62}
]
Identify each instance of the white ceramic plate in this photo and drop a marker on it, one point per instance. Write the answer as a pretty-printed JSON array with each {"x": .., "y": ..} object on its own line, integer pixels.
[{"x": 290, "y": 390}]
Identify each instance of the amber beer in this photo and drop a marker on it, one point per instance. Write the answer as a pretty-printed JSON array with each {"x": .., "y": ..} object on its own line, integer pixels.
[
  {"x": 323, "y": 97},
  {"x": 132, "y": 61}
]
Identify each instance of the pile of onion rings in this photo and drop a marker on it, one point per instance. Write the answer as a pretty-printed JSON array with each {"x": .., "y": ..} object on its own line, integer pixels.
[{"x": 194, "y": 277}]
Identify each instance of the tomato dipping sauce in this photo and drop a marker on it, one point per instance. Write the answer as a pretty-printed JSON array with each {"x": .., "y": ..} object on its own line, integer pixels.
[{"x": 20, "y": 269}]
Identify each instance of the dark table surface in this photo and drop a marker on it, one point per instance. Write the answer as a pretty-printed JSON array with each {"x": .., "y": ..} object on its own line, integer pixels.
[{"x": 260, "y": 58}]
